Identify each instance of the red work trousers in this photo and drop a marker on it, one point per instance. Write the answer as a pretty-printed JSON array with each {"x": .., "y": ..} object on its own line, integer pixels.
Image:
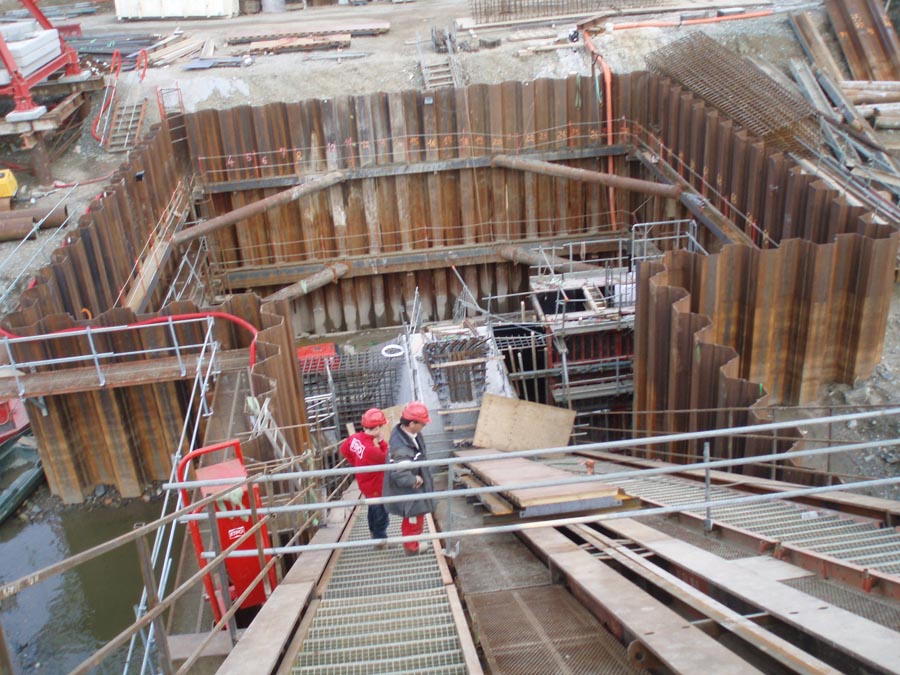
[{"x": 410, "y": 527}]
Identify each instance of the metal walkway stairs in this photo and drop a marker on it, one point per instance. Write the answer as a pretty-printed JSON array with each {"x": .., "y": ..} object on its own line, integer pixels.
[{"x": 385, "y": 612}]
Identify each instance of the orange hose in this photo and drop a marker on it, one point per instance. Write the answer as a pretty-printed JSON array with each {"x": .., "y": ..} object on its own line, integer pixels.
[
  {"x": 607, "y": 94},
  {"x": 692, "y": 22}
]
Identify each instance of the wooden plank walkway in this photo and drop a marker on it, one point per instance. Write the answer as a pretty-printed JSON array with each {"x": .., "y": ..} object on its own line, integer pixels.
[{"x": 864, "y": 640}]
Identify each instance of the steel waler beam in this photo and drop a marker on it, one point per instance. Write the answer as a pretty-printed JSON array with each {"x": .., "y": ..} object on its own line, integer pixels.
[
  {"x": 619, "y": 182},
  {"x": 257, "y": 207},
  {"x": 323, "y": 277}
]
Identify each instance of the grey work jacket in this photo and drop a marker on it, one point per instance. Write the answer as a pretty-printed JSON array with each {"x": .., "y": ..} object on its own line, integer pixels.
[{"x": 406, "y": 453}]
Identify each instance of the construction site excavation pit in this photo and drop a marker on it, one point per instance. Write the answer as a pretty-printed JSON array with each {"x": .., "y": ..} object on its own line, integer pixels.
[{"x": 612, "y": 268}]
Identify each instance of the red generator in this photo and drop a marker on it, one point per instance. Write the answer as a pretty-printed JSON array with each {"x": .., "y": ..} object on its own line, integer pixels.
[{"x": 241, "y": 571}]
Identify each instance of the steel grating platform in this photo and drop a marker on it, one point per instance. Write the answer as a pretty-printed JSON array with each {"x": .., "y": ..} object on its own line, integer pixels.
[
  {"x": 382, "y": 612},
  {"x": 842, "y": 537}
]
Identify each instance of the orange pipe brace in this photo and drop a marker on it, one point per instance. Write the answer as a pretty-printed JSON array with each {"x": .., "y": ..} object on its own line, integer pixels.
[{"x": 607, "y": 94}]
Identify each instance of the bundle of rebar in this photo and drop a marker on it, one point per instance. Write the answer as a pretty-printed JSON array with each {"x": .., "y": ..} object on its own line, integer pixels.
[
  {"x": 487, "y": 11},
  {"x": 357, "y": 381},
  {"x": 458, "y": 368},
  {"x": 739, "y": 89}
]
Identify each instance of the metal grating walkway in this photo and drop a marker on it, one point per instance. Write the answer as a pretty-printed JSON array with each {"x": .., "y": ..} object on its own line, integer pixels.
[
  {"x": 861, "y": 543},
  {"x": 382, "y": 612}
]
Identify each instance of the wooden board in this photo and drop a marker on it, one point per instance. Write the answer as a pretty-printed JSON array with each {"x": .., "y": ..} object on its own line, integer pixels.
[
  {"x": 520, "y": 470},
  {"x": 633, "y": 613},
  {"x": 871, "y": 643},
  {"x": 510, "y": 424}
]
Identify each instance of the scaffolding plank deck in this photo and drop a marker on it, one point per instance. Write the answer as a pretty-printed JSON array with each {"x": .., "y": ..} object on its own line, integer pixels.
[
  {"x": 520, "y": 470},
  {"x": 865, "y": 640},
  {"x": 629, "y": 609}
]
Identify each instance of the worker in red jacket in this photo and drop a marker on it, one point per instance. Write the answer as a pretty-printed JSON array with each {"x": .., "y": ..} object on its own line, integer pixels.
[{"x": 368, "y": 448}]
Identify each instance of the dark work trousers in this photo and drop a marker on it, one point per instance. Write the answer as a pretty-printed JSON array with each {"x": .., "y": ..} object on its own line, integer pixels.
[{"x": 378, "y": 521}]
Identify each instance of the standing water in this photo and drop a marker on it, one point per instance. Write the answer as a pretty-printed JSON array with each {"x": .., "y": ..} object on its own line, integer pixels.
[{"x": 54, "y": 626}]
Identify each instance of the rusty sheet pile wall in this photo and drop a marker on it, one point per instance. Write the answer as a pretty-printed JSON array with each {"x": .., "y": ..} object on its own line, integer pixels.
[
  {"x": 751, "y": 325},
  {"x": 408, "y": 191},
  {"x": 125, "y": 437}
]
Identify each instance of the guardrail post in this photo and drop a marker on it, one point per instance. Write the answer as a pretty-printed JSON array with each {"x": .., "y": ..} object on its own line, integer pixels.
[
  {"x": 221, "y": 571},
  {"x": 707, "y": 524},
  {"x": 159, "y": 628},
  {"x": 100, "y": 378}
]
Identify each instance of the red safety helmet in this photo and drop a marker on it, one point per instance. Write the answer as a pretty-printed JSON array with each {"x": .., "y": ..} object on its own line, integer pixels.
[
  {"x": 416, "y": 412},
  {"x": 373, "y": 418}
]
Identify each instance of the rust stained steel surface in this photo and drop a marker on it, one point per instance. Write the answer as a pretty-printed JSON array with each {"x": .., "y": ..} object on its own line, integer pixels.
[
  {"x": 361, "y": 220},
  {"x": 867, "y": 38},
  {"x": 403, "y": 212},
  {"x": 786, "y": 301}
]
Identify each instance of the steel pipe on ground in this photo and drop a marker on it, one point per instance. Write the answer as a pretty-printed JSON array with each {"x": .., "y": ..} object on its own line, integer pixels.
[
  {"x": 620, "y": 182},
  {"x": 248, "y": 210},
  {"x": 17, "y": 229},
  {"x": 47, "y": 216}
]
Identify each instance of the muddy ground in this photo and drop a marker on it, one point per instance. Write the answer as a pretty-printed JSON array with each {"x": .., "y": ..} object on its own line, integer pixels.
[{"x": 390, "y": 62}]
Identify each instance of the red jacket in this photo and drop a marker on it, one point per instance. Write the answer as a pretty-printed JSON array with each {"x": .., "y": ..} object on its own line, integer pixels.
[{"x": 360, "y": 450}]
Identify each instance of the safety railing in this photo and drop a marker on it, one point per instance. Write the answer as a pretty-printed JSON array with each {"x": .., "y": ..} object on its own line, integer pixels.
[
  {"x": 98, "y": 358},
  {"x": 351, "y": 153},
  {"x": 158, "y": 606}
]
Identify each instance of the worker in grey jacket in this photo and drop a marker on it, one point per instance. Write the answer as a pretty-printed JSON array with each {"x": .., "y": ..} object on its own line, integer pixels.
[{"x": 405, "y": 449}]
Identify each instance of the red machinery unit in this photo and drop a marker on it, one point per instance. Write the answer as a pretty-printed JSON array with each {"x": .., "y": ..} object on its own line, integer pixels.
[
  {"x": 241, "y": 571},
  {"x": 20, "y": 86}
]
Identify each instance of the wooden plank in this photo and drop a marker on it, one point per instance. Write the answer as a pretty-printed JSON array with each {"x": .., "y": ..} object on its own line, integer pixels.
[
  {"x": 182, "y": 646},
  {"x": 76, "y": 380},
  {"x": 261, "y": 647},
  {"x": 633, "y": 613},
  {"x": 494, "y": 503},
  {"x": 669, "y": 583},
  {"x": 520, "y": 470},
  {"x": 864, "y": 640},
  {"x": 511, "y": 424}
]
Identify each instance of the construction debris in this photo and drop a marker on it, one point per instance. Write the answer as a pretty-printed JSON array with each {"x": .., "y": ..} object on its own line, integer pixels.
[{"x": 298, "y": 44}]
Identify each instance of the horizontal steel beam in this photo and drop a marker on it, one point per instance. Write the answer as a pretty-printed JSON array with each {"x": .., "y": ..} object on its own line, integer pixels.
[
  {"x": 392, "y": 263},
  {"x": 386, "y": 170}
]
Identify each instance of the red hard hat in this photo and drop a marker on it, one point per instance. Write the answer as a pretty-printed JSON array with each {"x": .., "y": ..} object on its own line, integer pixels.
[
  {"x": 373, "y": 418},
  {"x": 416, "y": 412}
]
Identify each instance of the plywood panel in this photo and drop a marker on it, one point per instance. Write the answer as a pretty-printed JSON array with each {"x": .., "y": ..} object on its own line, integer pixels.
[
  {"x": 511, "y": 424},
  {"x": 521, "y": 470}
]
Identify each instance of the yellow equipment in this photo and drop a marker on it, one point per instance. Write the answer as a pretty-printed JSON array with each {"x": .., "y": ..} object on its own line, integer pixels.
[{"x": 9, "y": 186}]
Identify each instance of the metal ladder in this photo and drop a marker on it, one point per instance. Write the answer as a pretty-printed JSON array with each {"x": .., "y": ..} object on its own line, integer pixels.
[{"x": 126, "y": 126}]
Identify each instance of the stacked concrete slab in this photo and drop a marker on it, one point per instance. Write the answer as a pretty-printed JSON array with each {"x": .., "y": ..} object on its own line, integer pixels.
[{"x": 31, "y": 46}]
